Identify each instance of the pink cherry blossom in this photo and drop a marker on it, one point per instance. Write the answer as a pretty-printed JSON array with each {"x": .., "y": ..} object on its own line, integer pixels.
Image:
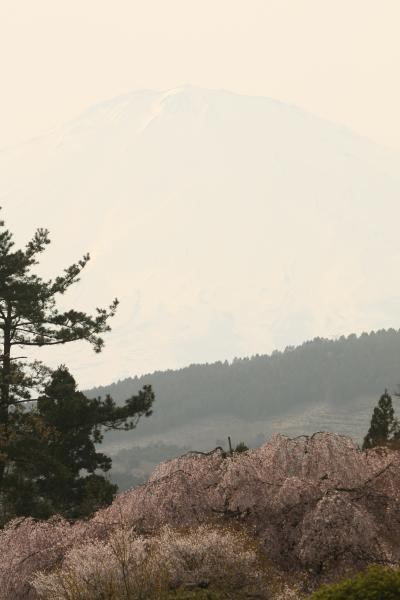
[{"x": 316, "y": 506}]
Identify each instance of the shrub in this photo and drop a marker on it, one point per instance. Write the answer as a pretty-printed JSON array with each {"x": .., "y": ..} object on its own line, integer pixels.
[
  {"x": 28, "y": 546},
  {"x": 206, "y": 563},
  {"x": 222, "y": 557},
  {"x": 241, "y": 447},
  {"x": 119, "y": 569},
  {"x": 377, "y": 583}
]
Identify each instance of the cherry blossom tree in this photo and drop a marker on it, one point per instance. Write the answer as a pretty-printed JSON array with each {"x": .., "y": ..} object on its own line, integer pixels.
[
  {"x": 132, "y": 567},
  {"x": 315, "y": 506}
]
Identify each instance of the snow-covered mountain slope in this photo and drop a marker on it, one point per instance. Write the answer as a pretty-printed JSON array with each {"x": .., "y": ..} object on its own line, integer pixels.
[{"x": 227, "y": 225}]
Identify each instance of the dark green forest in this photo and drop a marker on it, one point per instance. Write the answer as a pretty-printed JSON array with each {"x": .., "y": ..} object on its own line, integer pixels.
[{"x": 325, "y": 371}]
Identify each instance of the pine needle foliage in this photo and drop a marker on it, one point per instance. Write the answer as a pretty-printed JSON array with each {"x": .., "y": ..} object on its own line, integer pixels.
[
  {"x": 47, "y": 428},
  {"x": 384, "y": 426}
]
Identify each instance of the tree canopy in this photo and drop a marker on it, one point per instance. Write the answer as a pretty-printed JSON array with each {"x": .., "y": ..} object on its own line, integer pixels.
[
  {"x": 384, "y": 426},
  {"x": 29, "y": 315},
  {"x": 53, "y": 459}
]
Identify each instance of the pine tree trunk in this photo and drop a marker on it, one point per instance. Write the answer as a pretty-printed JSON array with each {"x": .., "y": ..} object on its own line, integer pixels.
[{"x": 5, "y": 392}]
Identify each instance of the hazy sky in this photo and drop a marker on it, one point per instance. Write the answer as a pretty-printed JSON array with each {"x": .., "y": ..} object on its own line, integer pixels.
[{"x": 337, "y": 58}]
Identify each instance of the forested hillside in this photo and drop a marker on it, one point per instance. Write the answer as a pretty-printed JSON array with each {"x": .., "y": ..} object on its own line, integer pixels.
[
  {"x": 259, "y": 387},
  {"x": 297, "y": 242},
  {"x": 320, "y": 385}
]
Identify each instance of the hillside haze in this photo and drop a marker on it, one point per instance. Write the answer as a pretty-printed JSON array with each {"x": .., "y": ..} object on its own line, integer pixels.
[
  {"x": 227, "y": 225},
  {"x": 322, "y": 385}
]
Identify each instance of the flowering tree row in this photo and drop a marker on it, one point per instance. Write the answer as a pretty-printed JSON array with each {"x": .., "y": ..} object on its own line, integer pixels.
[{"x": 315, "y": 504}]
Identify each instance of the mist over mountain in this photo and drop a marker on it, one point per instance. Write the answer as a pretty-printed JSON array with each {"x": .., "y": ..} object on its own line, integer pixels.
[
  {"x": 227, "y": 225},
  {"x": 322, "y": 385}
]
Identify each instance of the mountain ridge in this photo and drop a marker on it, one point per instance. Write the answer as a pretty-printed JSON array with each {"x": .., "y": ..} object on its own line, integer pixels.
[
  {"x": 328, "y": 385},
  {"x": 229, "y": 226}
]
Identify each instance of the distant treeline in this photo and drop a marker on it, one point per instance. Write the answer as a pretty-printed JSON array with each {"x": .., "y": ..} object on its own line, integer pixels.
[{"x": 319, "y": 371}]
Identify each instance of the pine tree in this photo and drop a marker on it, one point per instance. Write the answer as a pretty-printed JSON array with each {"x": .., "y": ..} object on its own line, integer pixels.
[
  {"x": 29, "y": 318},
  {"x": 53, "y": 461},
  {"x": 383, "y": 423}
]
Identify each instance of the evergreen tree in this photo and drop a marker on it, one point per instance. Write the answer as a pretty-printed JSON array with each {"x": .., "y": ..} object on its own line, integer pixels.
[
  {"x": 383, "y": 423},
  {"x": 29, "y": 317},
  {"x": 53, "y": 461},
  {"x": 33, "y": 464}
]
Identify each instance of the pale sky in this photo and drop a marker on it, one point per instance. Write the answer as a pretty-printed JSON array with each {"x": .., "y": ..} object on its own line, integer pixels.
[{"x": 339, "y": 59}]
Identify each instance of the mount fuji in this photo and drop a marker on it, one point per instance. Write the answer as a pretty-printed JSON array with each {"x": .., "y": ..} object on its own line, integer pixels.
[{"x": 227, "y": 225}]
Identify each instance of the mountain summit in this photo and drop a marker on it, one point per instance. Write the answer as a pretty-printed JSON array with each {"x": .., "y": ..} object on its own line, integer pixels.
[{"x": 226, "y": 224}]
